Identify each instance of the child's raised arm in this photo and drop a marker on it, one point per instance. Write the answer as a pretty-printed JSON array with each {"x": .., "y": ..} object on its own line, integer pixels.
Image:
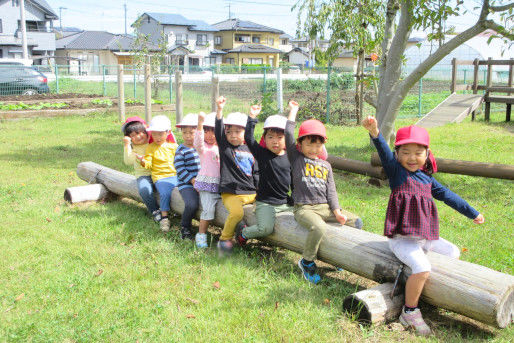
[
  {"x": 198, "y": 141},
  {"x": 253, "y": 145},
  {"x": 219, "y": 132},
  {"x": 220, "y": 103},
  {"x": 255, "y": 110},
  {"x": 293, "y": 110},
  {"x": 370, "y": 124}
]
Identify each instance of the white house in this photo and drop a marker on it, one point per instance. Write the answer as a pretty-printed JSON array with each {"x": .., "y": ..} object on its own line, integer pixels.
[
  {"x": 189, "y": 42},
  {"x": 285, "y": 43},
  {"x": 39, "y": 18}
]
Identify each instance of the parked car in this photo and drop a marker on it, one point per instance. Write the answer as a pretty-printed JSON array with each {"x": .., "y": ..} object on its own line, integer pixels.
[
  {"x": 16, "y": 61},
  {"x": 16, "y": 79}
]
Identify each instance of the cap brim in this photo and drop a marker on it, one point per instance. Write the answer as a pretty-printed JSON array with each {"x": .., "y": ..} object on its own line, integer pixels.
[{"x": 408, "y": 141}]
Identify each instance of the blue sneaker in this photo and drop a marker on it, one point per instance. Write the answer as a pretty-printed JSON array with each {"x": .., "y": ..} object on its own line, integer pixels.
[
  {"x": 225, "y": 248},
  {"x": 309, "y": 272},
  {"x": 201, "y": 240}
]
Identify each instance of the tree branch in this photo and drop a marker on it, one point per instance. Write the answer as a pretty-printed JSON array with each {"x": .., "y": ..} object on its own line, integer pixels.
[
  {"x": 498, "y": 28},
  {"x": 501, "y": 8}
]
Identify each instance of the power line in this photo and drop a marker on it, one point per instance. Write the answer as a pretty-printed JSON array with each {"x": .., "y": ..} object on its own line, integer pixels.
[{"x": 260, "y": 3}]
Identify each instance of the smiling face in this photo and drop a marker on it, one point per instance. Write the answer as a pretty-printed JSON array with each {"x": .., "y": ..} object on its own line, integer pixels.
[
  {"x": 275, "y": 140},
  {"x": 139, "y": 138},
  {"x": 188, "y": 135},
  {"x": 312, "y": 146},
  {"x": 159, "y": 137},
  {"x": 412, "y": 156},
  {"x": 208, "y": 135},
  {"x": 235, "y": 134}
]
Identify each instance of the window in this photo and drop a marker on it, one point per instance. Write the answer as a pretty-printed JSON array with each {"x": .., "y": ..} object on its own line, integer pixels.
[
  {"x": 218, "y": 40},
  {"x": 255, "y": 60},
  {"x": 181, "y": 39},
  {"x": 271, "y": 41},
  {"x": 15, "y": 3},
  {"x": 242, "y": 38},
  {"x": 271, "y": 61},
  {"x": 1, "y": 28},
  {"x": 256, "y": 39},
  {"x": 229, "y": 60},
  {"x": 284, "y": 41},
  {"x": 201, "y": 40}
]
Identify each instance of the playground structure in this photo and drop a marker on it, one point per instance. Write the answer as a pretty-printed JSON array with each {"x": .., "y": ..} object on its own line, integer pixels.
[
  {"x": 469, "y": 289},
  {"x": 456, "y": 107}
]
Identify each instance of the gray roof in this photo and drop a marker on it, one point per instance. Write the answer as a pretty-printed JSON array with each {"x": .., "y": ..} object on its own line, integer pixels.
[
  {"x": 218, "y": 52},
  {"x": 97, "y": 40},
  {"x": 255, "y": 48},
  {"x": 244, "y": 25},
  {"x": 285, "y": 36},
  {"x": 177, "y": 19},
  {"x": 46, "y": 7},
  {"x": 303, "y": 51}
]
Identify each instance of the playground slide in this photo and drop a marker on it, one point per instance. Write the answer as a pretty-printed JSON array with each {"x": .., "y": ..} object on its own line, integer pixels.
[{"x": 452, "y": 110}]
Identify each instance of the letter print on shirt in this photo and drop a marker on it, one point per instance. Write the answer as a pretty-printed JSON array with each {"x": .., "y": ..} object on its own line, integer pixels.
[{"x": 314, "y": 174}]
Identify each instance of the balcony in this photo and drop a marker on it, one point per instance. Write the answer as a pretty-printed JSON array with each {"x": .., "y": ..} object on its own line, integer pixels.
[
  {"x": 201, "y": 43},
  {"x": 181, "y": 42}
]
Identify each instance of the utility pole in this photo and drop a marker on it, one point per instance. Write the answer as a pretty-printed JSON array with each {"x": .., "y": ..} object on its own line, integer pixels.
[
  {"x": 23, "y": 30},
  {"x": 60, "y": 16},
  {"x": 125, "y": 7}
]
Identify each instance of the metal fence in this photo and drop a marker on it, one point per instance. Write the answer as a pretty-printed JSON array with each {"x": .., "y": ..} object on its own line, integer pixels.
[{"x": 325, "y": 93}]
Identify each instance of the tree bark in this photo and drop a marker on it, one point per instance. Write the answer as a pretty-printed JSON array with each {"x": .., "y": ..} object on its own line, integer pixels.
[{"x": 469, "y": 289}]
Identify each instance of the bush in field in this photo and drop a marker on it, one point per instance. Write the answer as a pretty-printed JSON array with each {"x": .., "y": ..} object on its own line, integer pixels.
[
  {"x": 267, "y": 105},
  {"x": 337, "y": 82}
]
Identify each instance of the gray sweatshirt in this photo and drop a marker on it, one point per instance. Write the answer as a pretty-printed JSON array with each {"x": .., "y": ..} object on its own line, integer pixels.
[{"x": 313, "y": 181}]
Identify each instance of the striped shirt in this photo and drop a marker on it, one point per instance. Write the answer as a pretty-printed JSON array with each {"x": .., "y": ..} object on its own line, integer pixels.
[{"x": 187, "y": 164}]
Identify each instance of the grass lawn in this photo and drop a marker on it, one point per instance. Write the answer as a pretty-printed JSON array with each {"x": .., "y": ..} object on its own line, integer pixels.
[{"x": 103, "y": 272}]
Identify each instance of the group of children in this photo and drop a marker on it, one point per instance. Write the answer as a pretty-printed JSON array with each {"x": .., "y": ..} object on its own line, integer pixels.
[{"x": 220, "y": 159}]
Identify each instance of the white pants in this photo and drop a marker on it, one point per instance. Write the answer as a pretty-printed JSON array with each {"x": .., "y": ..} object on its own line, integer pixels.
[
  {"x": 208, "y": 201},
  {"x": 411, "y": 250}
]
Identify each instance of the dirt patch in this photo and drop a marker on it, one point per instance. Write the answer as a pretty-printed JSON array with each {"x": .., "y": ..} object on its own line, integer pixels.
[{"x": 48, "y": 96}]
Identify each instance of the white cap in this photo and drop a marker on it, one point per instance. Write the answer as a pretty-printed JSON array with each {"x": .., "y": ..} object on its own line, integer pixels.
[
  {"x": 236, "y": 118},
  {"x": 210, "y": 119},
  {"x": 275, "y": 121},
  {"x": 191, "y": 119},
  {"x": 159, "y": 123}
]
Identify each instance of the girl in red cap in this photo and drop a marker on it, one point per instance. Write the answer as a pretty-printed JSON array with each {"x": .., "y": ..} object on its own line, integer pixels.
[{"x": 412, "y": 223}]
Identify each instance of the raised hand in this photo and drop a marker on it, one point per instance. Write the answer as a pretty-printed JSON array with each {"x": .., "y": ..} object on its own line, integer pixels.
[
  {"x": 293, "y": 110},
  {"x": 255, "y": 110},
  {"x": 370, "y": 123},
  {"x": 127, "y": 140},
  {"x": 201, "y": 117},
  {"x": 220, "y": 102}
]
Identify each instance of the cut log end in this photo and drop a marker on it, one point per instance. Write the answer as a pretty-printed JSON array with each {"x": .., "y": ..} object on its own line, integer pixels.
[
  {"x": 505, "y": 314},
  {"x": 93, "y": 192}
]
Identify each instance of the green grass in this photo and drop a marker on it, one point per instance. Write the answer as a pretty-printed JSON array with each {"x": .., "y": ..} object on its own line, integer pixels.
[{"x": 151, "y": 285}]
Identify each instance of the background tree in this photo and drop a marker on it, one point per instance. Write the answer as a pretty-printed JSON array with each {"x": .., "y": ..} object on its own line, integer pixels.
[{"x": 384, "y": 27}]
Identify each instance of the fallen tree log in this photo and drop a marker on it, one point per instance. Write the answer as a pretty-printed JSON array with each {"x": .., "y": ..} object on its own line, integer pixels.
[
  {"x": 466, "y": 288},
  {"x": 92, "y": 192},
  {"x": 374, "y": 305},
  {"x": 355, "y": 166},
  {"x": 444, "y": 165}
]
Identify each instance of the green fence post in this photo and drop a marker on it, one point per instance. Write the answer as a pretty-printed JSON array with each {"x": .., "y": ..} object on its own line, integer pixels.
[
  {"x": 57, "y": 79},
  {"x": 103, "y": 80},
  {"x": 170, "y": 83},
  {"x": 135, "y": 81},
  {"x": 465, "y": 76},
  {"x": 485, "y": 80},
  {"x": 264, "y": 81},
  {"x": 420, "y": 93},
  {"x": 327, "y": 116}
]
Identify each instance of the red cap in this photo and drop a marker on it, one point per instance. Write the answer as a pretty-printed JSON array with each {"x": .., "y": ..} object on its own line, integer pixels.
[
  {"x": 312, "y": 127},
  {"x": 131, "y": 120},
  {"x": 412, "y": 134}
]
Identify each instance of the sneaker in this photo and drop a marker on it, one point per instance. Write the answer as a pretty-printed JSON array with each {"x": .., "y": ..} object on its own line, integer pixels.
[
  {"x": 156, "y": 215},
  {"x": 239, "y": 234},
  {"x": 309, "y": 272},
  {"x": 185, "y": 233},
  {"x": 414, "y": 320},
  {"x": 225, "y": 247},
  {"x": 201, "y": 240},
  {"x": 164, "y": 224}
]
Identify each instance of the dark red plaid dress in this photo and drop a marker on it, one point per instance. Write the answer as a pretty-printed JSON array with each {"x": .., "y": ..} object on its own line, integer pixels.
[{"x": 412, "y": 211}]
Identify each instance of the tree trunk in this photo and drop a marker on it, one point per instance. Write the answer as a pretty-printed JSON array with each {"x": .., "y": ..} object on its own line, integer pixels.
[{"x": 472, "y": 290}]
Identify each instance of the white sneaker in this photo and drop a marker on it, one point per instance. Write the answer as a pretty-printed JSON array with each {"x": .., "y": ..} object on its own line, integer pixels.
[
  {"x": 201, "y": 240},
  {"x": 165, "y": 224}
]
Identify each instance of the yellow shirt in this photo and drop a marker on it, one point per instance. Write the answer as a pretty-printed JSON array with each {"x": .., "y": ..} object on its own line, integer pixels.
[
  {"x": 129, "y": 157},
  {"x": 159, "y": 159}
]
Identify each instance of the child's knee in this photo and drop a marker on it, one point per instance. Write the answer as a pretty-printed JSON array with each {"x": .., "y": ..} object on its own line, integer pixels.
[
  {"x": 236, "y": 212},
  {"x": 454, "y": 252}
]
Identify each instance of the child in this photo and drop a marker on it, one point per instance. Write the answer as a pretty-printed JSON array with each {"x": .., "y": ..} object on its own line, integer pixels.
[
  {"x": 314, "y": 190},
  {"x": 187, "y": 164},
  {"x": 135, "y": 141},
  {"x": 237, "y": 169},
  {"x": 412, "y": 223},
  {"x": 208, "y": 179},
  {"x": 274, "y": 174},
  {"x": 158, "y": 158}
]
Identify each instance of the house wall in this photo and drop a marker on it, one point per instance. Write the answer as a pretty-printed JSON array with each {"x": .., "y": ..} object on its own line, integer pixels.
[
  {"x": 228, "y": 39},
  {"x": 152, "y": 28},
  {"x": 172, "y": 31},
  {"x": 346, "y": 62},
  {"x": 298, "y": 58},
  {"x": 238, "y": 58},
  {"x": 90, "y": 60}
]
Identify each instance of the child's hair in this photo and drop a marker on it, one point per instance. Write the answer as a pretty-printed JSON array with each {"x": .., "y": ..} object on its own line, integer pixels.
[
  {"x": 273, "y": 130},
  {"x": 134, "y": 127},
  {"x": 312, "y": 139},
  {"x": 208, "y": 128},
  {"x": 428, "y": 167}
]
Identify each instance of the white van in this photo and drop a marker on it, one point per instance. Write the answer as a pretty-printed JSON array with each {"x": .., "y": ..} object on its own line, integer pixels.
[{"x": 16, "y": 61}]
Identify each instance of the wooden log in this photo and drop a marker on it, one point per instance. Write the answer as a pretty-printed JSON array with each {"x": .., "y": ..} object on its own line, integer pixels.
[
  {"x": 469, "y": 289},
  {"x": 358, "y": 167},
  {"x": 374, "y": 305},
  {"x": 444, "y": 165},
  {"x": 92, "y": 192}
]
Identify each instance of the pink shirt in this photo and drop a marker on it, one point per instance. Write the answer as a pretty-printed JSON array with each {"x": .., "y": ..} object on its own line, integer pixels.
[{"x": 208, "y": 178}]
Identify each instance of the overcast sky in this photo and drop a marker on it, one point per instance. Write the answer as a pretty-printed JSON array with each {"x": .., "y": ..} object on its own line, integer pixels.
[{"x": 108, "y": 15}]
